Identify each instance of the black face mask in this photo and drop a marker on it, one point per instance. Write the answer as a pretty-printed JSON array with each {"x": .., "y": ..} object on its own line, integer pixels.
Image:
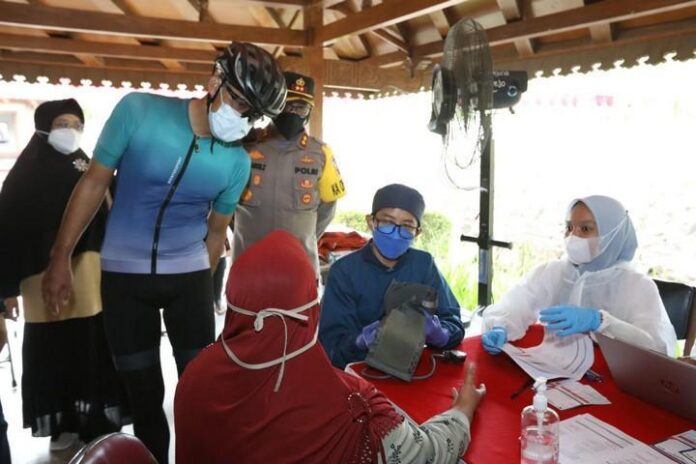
[{"x": 289, "y": 124}]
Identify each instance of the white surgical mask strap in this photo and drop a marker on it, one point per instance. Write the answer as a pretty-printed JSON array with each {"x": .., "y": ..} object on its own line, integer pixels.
[
  {"x": 258, "y": 326},
  {"x": 604, "y": 240}
]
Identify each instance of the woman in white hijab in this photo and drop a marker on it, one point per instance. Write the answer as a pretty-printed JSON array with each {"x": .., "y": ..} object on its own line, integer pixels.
[{"x": 593, "y": 289}]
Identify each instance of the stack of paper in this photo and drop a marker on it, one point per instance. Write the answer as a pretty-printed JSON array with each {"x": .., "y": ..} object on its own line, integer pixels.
[
  {"x": 681, "y": 448},
  {"x": 587, "y": 440},
  {"x": 571, "y": 394},
  {"x": 556, "y": 357}
]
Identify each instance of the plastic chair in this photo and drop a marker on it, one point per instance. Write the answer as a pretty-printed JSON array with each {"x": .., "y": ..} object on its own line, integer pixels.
[
  {"x": 680, "y": 303},
  {"x": 114, "y": 448}
]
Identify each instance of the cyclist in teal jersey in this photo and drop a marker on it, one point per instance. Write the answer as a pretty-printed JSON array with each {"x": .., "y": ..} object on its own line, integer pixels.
[{"x": 180, "y": 171}]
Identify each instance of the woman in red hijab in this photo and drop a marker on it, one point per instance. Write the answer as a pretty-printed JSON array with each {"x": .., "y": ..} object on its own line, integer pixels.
[{"x": 266, "y": 392}]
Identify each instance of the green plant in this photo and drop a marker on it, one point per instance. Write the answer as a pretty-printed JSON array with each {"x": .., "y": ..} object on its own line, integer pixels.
[
  {"x": 462, "y": 283},
  {"x": 510, "y": 266},
  {"x": 353, "y": 219},
  {"x": 435, "y": 235}
]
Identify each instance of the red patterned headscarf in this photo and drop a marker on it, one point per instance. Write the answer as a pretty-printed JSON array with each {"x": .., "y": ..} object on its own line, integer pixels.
[{"x": 236, "y": 402}]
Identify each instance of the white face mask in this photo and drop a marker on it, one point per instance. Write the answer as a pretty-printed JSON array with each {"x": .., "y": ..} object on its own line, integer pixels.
[
  {"x": 580, "y": 250},
  {"x": 65, "y": 140},
  {"x": 227, "y": 124},
  {"x": 258, "y": 327}
]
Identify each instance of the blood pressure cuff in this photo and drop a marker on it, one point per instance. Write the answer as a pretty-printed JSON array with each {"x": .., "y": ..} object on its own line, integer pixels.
[
  {"x": 400, "y": 338},
  {"x": 399, "y": 293}
]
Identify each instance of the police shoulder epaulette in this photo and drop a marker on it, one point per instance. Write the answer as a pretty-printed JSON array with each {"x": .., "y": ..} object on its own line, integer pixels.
[{"x": 303, "y": 140}]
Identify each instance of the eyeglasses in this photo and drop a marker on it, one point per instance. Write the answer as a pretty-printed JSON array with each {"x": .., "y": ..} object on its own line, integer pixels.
[
  {"x": 78, "y": 126},
  {"x": 388, "y": 227},
  {"x": 300, "y": 108},
  {"x": 237, "y": 101},
  {"x": 241, "y": 104}
]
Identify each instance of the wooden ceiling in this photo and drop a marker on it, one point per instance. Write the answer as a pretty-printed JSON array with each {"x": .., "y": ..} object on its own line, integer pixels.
[{"x": 364, "y": 45}]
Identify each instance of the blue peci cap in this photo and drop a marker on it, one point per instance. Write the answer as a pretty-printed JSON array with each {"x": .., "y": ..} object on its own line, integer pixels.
[{"x": 399, "y": 196}]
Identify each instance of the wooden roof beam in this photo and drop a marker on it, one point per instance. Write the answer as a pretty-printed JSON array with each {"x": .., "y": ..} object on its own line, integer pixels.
[
  {"x": 406, "y": 33},
  {"x": 348, "y": 8},
  {"x": 584, "y": 17},
  {"x": 379, "y": 16},
  {"x": 516, "y": 10},
  {"x": 278, "y": 19},
  {"x": 103, "y": 49},
  {"x": 201, "y": 8},
  {"x": 125, "y": 7},
  {"x": 270, "y": 3},
  {"x": 511, "y": 9},
  {"x": 41, "y": 17},
  {"x": 91, "y": 60},
  {"x": 443, "y": 20},
  {"x": 440, "y": 22},
  {"x": 324, "y": 3},
  {"x": 87, "y": 59},
  {"x": 602, "y": 33},
  {"x": 387, "y": 37},
  {"x": 682, "y": 29}
]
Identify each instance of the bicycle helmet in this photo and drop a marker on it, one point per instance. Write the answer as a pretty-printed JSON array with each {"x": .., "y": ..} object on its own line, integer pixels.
[{"x": 254, "y": 73}]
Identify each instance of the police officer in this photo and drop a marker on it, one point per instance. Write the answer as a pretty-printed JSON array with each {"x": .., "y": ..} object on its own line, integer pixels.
[{"x": 294, "y": 181}]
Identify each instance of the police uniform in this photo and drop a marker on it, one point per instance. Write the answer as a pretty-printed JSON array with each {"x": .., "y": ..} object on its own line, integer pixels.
[{"x": 294, "y": 185}]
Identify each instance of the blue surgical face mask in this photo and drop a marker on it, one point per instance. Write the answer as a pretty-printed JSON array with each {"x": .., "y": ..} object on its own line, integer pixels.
[
  {"x": 391, "y": 246},
  {"x": 227, "y": 124}
]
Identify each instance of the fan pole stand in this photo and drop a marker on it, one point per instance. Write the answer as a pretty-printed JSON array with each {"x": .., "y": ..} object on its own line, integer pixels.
[{"x": 485, "y": 239}]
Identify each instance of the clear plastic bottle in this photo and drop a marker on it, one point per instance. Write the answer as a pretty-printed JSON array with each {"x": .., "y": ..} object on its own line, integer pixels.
[{"x": 540, "y": 429}]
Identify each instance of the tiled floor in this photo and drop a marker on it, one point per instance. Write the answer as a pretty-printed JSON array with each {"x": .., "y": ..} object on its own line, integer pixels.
[{"x": 28, "y": 450}]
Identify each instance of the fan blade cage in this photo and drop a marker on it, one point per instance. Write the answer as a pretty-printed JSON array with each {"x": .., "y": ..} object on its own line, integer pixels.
[{"x": 467, "y": 56}]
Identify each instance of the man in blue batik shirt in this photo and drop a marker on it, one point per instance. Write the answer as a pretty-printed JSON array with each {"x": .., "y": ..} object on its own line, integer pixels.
[{"x": 352, "y": 306}]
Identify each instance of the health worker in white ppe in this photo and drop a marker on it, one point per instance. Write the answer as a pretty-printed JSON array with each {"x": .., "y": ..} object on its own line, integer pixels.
[{"x": 593, "y": 289}]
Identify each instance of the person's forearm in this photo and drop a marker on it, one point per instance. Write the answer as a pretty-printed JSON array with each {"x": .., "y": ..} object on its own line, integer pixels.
[
  {"x": 325, "y": 214},
  {"x": 455, "y": 327},
  {"x": 215, "y": 243},
  {"x": 215, "y": 240},
  {"x": 622, "y": 330},
  {"x": 84, "y": 203},
  {"x": 441, "y": 440}
]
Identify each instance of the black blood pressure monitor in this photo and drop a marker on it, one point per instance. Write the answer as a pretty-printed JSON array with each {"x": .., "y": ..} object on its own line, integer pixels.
[{"x": 454, "y": 356}]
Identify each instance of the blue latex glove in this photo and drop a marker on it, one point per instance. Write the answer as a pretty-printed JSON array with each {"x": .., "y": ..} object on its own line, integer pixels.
[
  {"x": 367, "y": 336},
  {"x": 435, "y": 334},
  {"x": 570, "y": 319},
  {"x": 494, "y": 339}
]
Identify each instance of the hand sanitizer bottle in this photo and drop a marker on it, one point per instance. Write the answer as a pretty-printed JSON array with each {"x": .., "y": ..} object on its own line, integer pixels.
[{"x": 540, "y": 429}]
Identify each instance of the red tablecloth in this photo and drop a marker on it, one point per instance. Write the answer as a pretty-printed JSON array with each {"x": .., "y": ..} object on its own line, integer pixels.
[{"x": 496, "y": 426}]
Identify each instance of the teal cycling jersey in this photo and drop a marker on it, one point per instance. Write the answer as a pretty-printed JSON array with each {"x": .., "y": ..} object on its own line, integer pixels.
[{"x": 167, "y": 181}]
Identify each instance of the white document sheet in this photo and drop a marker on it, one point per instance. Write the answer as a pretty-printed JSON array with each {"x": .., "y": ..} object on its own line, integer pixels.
[
  {"x": 556, "y": 357},
  {"x": 569, "y": 394},
  {"x": 681, "y": 447},
  {"x": 588, "y": 440}
]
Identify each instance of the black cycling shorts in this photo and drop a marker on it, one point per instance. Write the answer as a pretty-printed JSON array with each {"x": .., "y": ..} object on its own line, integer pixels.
[{"x": 131, "y": 305}]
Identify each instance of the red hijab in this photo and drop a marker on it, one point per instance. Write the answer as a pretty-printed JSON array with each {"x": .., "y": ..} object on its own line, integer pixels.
[{"x": 226, "y": 413}]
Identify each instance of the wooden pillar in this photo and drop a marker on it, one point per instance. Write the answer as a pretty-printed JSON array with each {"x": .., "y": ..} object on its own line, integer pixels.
[{"x": 314, "y": 56}]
